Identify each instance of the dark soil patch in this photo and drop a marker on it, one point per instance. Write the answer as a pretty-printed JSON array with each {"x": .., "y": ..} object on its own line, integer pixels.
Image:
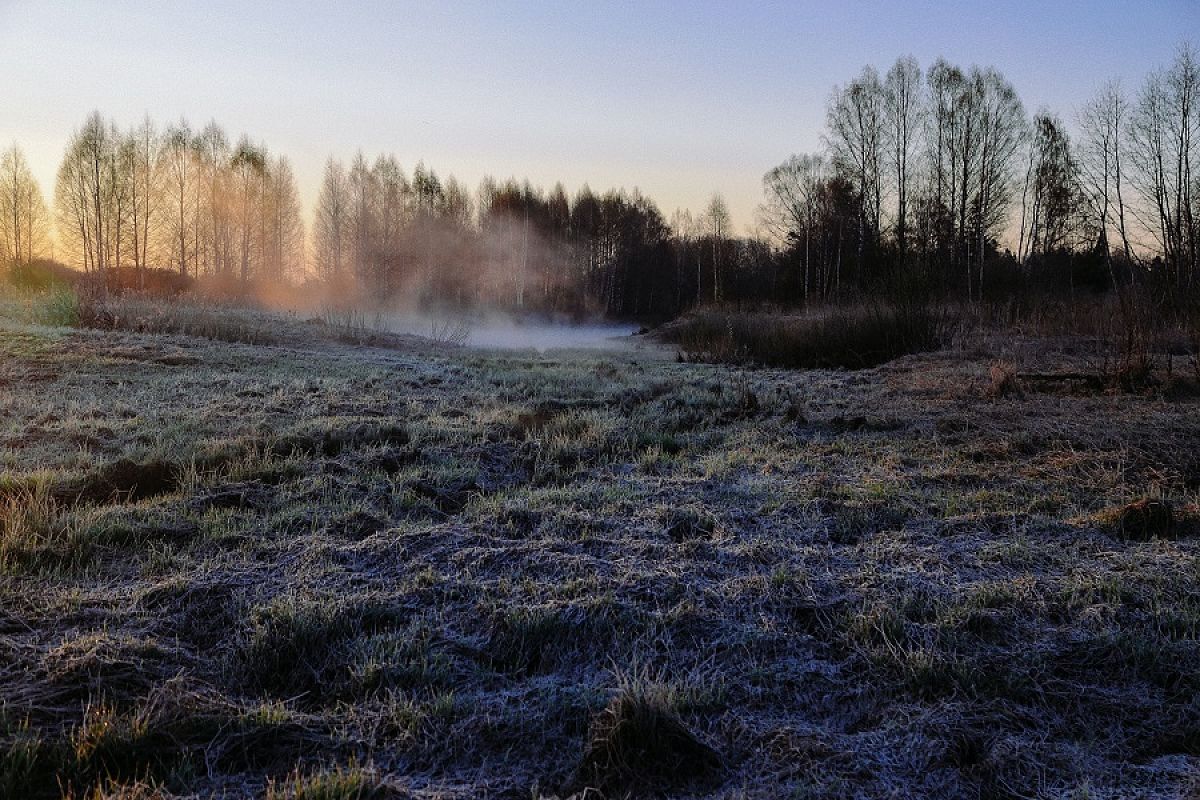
[
  {"x": 331, "y": 443},
  {"x": 1146, "y": 519},
  {"x": 92, "y": 665},
  {"x": 124, "y": 480},
  {"x": 358, "y": 525},
  {"x": 685, "y": 524},
  {"x": 251, "y": 495},
  {"x": 857, "y": 424},
  {"x": 199, "y": 615},
  {"x": 530, "y": 423},
  {"x": 390, "y": 461},
  {"x": 448, "y": 497},
  {"x": 299, "y": 650},
  {"x": 517, "y": 523},
  {"x": 638, "y": 747}
]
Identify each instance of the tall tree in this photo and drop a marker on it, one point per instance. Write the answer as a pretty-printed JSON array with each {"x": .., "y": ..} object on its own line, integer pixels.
[
  {"x": 214, "y": 233},
  {"x": 1003, "y": 129},
  {"x": 143, "y": 162},
  {"x": 1163, "y": 156},
  {"x": 793, "y": 192},
  {"x": 181, "y": 177},
  {"x": 855, "y": 120},
  {"x": 87, "y": 198},
  {"x": 902, "y": 110},
  {"x": 248, "y": 179},
  {"x": 716, "y": 225},
  {"x": 1053, "y": 198},
  {"x": 24, "y": 221},
  {"x": 361, "y": 185},
  {"x": 1102, "y": 125},
  {"x": 331, "y": 223},
  {"x": 283, "y": 243}
]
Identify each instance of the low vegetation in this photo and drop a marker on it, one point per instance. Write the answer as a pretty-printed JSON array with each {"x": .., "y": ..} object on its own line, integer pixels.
[
  {"x": 853, "y": 337},
  {"x": 316, "y": 569}
]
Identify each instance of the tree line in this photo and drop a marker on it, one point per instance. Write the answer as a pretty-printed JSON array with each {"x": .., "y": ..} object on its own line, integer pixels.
[
  {"x": 941, "y": 176},
  {"x": 227, "y": 214},
  {"x": 178, "y": 199},
  {"x": 937, "y": 178}
]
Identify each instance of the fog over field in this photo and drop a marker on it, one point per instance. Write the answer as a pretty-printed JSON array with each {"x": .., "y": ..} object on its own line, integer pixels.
[{"x": 507, "y": 332}]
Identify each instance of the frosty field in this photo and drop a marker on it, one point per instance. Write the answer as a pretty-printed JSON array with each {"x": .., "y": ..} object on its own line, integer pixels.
[{"x": 306, "y": 568}]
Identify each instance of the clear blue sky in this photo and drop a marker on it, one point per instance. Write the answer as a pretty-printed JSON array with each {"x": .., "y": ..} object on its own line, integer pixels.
[{"x": 680, "y": 99}]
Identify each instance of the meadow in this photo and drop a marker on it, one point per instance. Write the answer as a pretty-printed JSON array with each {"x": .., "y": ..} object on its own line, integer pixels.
[{"x": 246, "y": 554}]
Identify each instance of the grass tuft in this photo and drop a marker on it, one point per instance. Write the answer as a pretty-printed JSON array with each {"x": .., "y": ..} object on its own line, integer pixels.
[
  {"x": 638, "y": 745},
  {"x": 341, "y": 783},
  {"x": 36, "y": 532}
]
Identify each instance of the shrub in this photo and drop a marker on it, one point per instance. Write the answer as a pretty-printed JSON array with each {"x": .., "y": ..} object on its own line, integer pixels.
[
  {"x": 163, "y": 316},
  {"x": 1003, "y": 380},
  {"x": 42, "y": 275},
  {"x": 853, "y": 337}
]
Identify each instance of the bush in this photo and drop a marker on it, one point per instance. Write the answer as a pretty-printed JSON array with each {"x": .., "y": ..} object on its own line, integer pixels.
[
  {"x": 853, "y": 337},
  {"x": 42, "y": 276},
  {"x": 179, "y": 318}
]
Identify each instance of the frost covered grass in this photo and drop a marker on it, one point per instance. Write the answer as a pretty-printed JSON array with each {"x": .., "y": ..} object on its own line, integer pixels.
[{"x": 311, "y": 569}]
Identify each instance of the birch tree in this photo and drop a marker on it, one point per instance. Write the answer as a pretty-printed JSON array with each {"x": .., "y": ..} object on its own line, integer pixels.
[
  {"x": 1101, "y": 160},
  {"x": 902, "y": 109},
  {"x": 24, "y": 220},
  {"x": 331, "y": 223}
]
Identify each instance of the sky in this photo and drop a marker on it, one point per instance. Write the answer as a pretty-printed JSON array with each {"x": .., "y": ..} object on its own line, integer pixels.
[{"x": 679, "y": 99}]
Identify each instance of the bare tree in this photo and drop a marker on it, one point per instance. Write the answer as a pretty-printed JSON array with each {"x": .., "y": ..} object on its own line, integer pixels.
[
  {"x": 247, "y": 185},
  {"x": 902, "y": 109},
  {"x": 24, "y": 221},
  {"x": 948, "y": 97},
  {"x": 393, "y": 214},
  {"x": 1102, "y": 123},
  {"x": 684, "y": 230},
  {"x": 976, "y": 125},
  {"x": 331, "y": 223},
  {"x": 1183, "y": 81},
  {"x": 87, "y": 198},
  {"x": 1052, "y": 191},
  {"x": 181, "y": 196},
  {"x": 427, "y": 194},
  {"x": 855, "y": 120},
  {"x": 362, "y": 189},
  {"x": 214, "y": 233},
  {"x": 1163, "y": 156},
  {"x": 283, "y": 242},
  {"x": 793, "y": 202},
  {"x": 143, "y": 165},
  {"x": 716, "y": 224},
  {"x": 1002, "y": 130}
]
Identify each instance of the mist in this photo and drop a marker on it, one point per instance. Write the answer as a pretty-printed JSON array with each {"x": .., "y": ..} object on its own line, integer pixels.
[{"x": 492, "y": 330}]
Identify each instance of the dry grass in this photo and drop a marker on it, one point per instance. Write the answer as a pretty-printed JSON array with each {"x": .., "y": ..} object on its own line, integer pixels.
[
  {"x": 854, "y": 337},
  {"x": 341, "y": 783},
  {"x": 205, "y": 320},
  {"x": 320, "y": 570},
  {"x": 35, "y": 530}
]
